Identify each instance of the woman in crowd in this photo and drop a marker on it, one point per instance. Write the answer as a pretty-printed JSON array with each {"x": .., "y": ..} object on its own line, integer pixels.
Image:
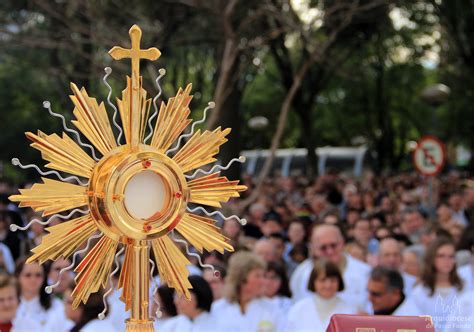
[
  {"x": 313, "y": 313},
  {"x": 8, "y": 302},
  {"x": 277, "y": 287},
  {"x": 440, "y": 286},
  {"x": 37, "y": 311},
  {"x": 165, "y": 307},
  {"x": 194, "y": 314},
  {"x": 244, "y": 309},
  {"x": 85, "y": 316}
]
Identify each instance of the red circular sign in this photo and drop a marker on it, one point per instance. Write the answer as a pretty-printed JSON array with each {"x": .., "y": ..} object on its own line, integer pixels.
[{"x": 429, "y": 156}]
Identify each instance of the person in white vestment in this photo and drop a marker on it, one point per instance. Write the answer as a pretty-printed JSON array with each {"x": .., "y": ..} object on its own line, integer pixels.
[
  {"x": 216, "y": 279},
  {"x": 165, "y": 307},
  {"x": 386, "y": 294},
  {"x": 390, "y": 256},
  {"x": 38, "y": 310},
  {"x": 194, "y": 314},
  {"x": 327, "y": 243},
  {"x": 313, "y": 313},
  {"x": 244, "y": 309},
  {"x": 440, "y": 286},
  {"x": 277, "y": 288},
  {"x": 85, "y": 316}
]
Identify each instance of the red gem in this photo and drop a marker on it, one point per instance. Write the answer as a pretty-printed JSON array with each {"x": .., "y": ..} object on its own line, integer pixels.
[
  {"x": 178, "y": 195},
  {"x": 146, "y": 163},
  {"x": 146, "y": 228}
]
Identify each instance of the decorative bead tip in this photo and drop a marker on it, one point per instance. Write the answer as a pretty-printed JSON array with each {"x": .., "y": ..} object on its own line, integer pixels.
[
  {"x": 242, "y": 159},
  {"x": 15, "y": 162},
  {"x": 13, "y": 228},
  {"x": 108, "y": 70},
  {"x": 158, "y": 314},
  {"x": 101, "y": 316},
  {"x": 211, "y": 104},
  {"x": 46, "y": 104},
  {"x": 217, "y": 274},
  {"x": 162, "y": 71},
  {"x": 243, "y": 222},
  {"x": 48, "y": 289}
]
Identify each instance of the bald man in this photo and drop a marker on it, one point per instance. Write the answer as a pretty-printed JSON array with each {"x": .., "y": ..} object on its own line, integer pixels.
[
  {"x": 327, "y": 243},
  {"x": 390, "y": 257},
  {"x": 266, "y": 250}
]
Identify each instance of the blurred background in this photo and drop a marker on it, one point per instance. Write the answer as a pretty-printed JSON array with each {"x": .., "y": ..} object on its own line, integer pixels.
[{"x": 371, "y": 74}]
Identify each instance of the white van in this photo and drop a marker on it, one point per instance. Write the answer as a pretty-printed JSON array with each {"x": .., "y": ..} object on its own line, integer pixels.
[{"x": 344, "y": 159}]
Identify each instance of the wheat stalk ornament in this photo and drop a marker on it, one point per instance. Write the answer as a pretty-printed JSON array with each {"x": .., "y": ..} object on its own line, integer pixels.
[{"x": 136, "y": 196}]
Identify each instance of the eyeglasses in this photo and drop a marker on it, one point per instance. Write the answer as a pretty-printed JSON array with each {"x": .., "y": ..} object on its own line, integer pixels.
[
  {"x": 30, "y": 275},
  {"x": 445, "y": 256},
  {"x": 332, "y": 246},
  {"x": 376, "y": 294}
]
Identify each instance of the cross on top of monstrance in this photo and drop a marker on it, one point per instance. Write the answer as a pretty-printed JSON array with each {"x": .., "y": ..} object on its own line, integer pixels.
[
  {"x": 134, "y": 197},
  {"x": 135, "y": 53}
]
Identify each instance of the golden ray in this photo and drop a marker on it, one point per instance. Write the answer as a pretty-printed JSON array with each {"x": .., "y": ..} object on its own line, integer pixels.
[
  {"x": 52, "y": 196},
  {"x": 134, "y": 126},
  {"x": 63, "y": 153},
  {"x": 202, "y": 233},
  {"x": 213, "y": 189},
  {"x": 200, "y": 149},
  {"x": 92, "y": 120},
  {"x": 94, "y": 270},
  {"x": 126, "y": 278},
  {"x": 63, "y": 239},
  {"x": 172, "y": 119},
  {"x": 172, "y": 265}
]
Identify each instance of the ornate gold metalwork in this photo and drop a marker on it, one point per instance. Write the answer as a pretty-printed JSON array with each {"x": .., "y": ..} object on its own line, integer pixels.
[{"x": 106, "y": 191}]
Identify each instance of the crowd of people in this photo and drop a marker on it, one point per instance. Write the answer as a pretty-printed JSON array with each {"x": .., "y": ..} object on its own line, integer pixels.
[{"x": 378, "y": 245}]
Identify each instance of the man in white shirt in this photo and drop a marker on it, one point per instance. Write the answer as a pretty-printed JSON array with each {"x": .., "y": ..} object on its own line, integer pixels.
[
  {"x": 390, "y": 257},
  {"x": 327, "y": 243},
  {"x": 385, "y": 289}
]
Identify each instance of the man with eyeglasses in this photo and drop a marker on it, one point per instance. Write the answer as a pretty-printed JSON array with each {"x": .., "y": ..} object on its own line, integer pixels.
[
  {"x": 385, "y": 288},
  {"x": 327, "y": 243}
]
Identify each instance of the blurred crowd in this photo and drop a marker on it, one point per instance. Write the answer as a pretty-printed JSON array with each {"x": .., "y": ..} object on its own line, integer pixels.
[{"x": 388, "y": 245}]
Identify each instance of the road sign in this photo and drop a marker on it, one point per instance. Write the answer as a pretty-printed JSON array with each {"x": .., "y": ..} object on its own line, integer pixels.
[{"x": 429, "y": 156}]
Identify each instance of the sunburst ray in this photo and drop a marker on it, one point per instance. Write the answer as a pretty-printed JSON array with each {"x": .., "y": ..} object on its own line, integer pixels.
[
  {"x": 63, "y": 153},
  {"x": 94, "y": 269},
  {"x": 52, "y": 196},
  {"x": 172, "y": 265},
  {"x": 134, "y": 125},
  {"x": 172, "y": 119},
  {"x": 63, "y": 239},
  {"x": 203, "y": 234},
  {"x": 200, "y": 149},
  {"x": 92, "y": 120},
  {"x": 125, "y": 279},
  {"x": 213, "y": 189}
]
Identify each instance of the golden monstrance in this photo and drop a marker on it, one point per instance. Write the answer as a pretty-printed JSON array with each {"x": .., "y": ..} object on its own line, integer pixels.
[{"x": 136, "y": 195}]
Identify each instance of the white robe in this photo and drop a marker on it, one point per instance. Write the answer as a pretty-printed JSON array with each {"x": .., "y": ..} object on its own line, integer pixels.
[
  {"x": 355, "y": 276},
  {"x": 466, "y": 273},
  {"x": 31, "y": 316},
  {"x": 205, "y": 322},
  {"x": 408, "y": 283},
  {"x": 7, "y": 258},
  {"x": 462, "y": 315},
  {"x": 259, "y": 316},
  {"x": 303, "y": 315},
  {"x": 407, "y": 308},
  {"x": 440, "y": 306}
]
